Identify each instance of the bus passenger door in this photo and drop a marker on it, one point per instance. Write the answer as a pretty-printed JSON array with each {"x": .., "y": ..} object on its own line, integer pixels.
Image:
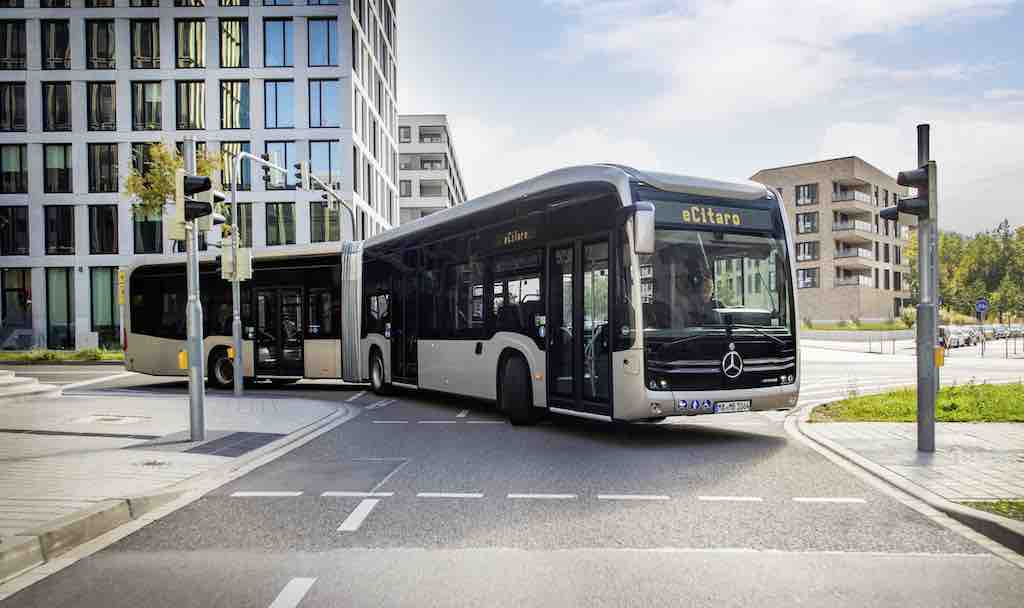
[{"x": 278, "y": 339}]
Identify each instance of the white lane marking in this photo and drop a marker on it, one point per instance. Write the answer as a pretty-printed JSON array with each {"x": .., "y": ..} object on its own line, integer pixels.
[
  {"x": 390, "y": 422},
  {"x": 74, "y": 385},
  {"x": 252, "y": 494},
  {"x": 356, "y": 396},
  {"x": 462, "y": 414},
  {"x": 731, "y": 498},
  {"x": 543, "y": 496},
  {"x": 632, "y": 497},
  {"x": 450, "y": 495},
  {"x": 395, "y": 470},
  {"x": 437, "y": 422},
  {"x": 828, "y": 499},
  {"x": 293, "y": 592},
  {"x": 356, "y": 517},
  {"x": 342, "y": 494},
  {"x": 379, "y": 404},
  {"x": 485, "y": 422}
]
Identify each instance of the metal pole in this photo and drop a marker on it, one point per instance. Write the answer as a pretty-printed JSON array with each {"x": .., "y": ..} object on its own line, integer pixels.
[
  {"x": 194, "y": 318},
  {"x": 236, "y": 288},
  {"x": 927, "y": 315}
]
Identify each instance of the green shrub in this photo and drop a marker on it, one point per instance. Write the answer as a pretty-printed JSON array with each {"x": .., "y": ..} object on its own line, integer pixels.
[{"x": 909, "y": 316}]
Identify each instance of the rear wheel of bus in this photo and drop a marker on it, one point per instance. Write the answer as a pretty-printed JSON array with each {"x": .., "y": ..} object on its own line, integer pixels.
[{"x": 377, "y": 382}]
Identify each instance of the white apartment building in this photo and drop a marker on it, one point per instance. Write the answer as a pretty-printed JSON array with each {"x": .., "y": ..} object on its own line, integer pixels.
[
  {"x": 429, "y": 178},
  {"x": 87, "y": 85}
]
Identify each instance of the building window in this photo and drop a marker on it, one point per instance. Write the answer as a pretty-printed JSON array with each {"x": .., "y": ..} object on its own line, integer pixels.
[
  {"x": 405, "y": 188},
  {"x": 60, "y": 315},
  {"x": 234, "y": 2},
  {"x": 191, "y": 104},
  {"x": 144, "y": 3},
  {"x": 280, "y": 223},
  {"x": 57, "y": 168},
  {"x": 325, "y": 161},
  {"x": 200, "y": 149},
  {"x": 323, "y": 103},
  {"x": 13, "y": 169},
  {"x": 145, "y": 44},
  {"x": 148, "y": 232},
  {"x": 56, "y": 45},
  {"x": 245, "y": 226},
  {"x": 432, "y": 164},
  {"x": 15, "y": 305},
  {"x": 60, "y": 229},
  {"x": 106, "y": 318},
  {"x": 323, "y": 42},
  {"x": 234, "y": 104},
  {"x": 56, "y": 106},
  {"x": 99, "y": 44},
  {"x": 808, "y": 251},
  {"x": 807, "y": 194},
  {"x": 12, "y": 106},
  {"x": 102, "y": 101},
  {"x": 404, "y": 135},
  {"x": 146, "y": 106},
  {"x": 277, "y": 2},
  {"x": 279, "y": 104},
  {"x": 190, "y": 43},
  {"x": 277, "y": 43},
  {"x": 12, "y": 45},
  {"x": 806, "y": 223},
  {"x": 12, "y": 3},
  {"x": 187, "y": 3},
  {"x": 897, "y": 281},
  {"x": 14, "y": 230},
  {"x": 897, "y": 254},
  {"x": 876, "y": 278},
  {"x": 102, "y": 229},
  {"x": 885, "y": 252},
  {"x": 99, "y": 3},
  {"x": 234, "y": 43},
  {"x": 323, "y": 222},
  {"x": 228, "y": 151},
  {"x": 806, "y": 278},
  {"x": 432, "y": 135},
  {"x": 282, "y": 154},
  {"x": 141, "y": 156},
  {"x": 102, "y": 167},
  {"x": 885, "y": 274},
  {"x": 322, "y": 2}
]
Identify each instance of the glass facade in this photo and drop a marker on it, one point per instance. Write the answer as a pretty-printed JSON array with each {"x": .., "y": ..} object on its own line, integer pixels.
[
  {"x": 280, "y": 223},
  {"x": 234, "y": 43},
  {"x": 106, "y": 314},
  {"x": 234, "y": 104},
  {"x": 57, "y": 167},
  {"x": 147, "y": 106},
  {"x": 60, "y": 315},
  {"x": 56, "y": 106}
]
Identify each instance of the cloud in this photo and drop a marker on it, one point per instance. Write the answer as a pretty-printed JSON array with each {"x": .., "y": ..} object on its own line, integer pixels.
[
  {"x": 715, "y": 59},
  {"x": 494, "y": 156},
  {"x": 1004, "y": 94}
]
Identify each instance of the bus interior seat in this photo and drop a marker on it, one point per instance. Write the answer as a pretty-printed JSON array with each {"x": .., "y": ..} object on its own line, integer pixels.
[{"x": 508, "y": 318}]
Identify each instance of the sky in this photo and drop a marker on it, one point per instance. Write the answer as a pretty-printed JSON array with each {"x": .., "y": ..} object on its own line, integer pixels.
[{"x": 722, "y": 89}]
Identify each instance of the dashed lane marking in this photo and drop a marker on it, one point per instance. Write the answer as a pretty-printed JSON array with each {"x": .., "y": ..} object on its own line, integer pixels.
[
  {"x": 632, "y": 497},
  {"x": 379, "y": 404},
  {"x": 356, "y": 396},
  {"x": 356, "y": 517},
  {"x": 450, "y": 495},
  {"x": 390, "y": 421},
  {"x": 358, "y": 494},
  {"x": 438, "y": 421},
  {"x": 731, "y": 498},
  {"x": 462, "y": 414},
  {"x": 254, "y": 494},
  {"x": 544, "y": 496},
  {"x": 826, "y": 499},
  {"x": 293, "y": 592},
  {"x": 485, "y": 422}
]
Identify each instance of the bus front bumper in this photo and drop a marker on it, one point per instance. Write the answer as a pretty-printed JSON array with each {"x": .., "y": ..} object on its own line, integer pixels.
[{"x": 693, "y": 403}]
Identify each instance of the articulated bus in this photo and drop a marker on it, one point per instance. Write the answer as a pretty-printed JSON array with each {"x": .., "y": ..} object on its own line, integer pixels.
[{"x": 597, "y": 291}]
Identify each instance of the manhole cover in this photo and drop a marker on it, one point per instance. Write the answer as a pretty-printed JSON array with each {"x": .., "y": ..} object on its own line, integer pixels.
[{"x": 111, "y": 419}]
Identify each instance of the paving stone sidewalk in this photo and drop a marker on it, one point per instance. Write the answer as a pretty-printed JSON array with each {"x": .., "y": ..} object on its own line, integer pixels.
[{"x": 972, "y": 461}]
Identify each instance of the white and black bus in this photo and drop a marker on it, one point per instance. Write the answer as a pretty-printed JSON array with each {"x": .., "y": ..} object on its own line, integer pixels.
[{"x": 598, "y": 291}]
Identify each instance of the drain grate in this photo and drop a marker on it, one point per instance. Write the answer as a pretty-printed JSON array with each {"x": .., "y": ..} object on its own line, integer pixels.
[{"x": 235, "y": 444}]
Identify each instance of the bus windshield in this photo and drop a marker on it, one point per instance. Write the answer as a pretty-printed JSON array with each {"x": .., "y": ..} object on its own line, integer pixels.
[{"x": 696, "y": 280}]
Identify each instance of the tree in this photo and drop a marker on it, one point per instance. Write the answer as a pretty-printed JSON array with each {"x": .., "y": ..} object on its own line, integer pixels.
[{"x": 154, "y": 186}]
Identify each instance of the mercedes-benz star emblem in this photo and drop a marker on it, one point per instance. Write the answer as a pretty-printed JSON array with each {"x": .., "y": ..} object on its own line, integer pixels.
[{"x": 732, "y": 364}]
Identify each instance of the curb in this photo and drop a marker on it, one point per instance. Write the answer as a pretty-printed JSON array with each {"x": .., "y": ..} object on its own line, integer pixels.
[
  {"x": 1004, "y": 531},
  {"x": 20, "y": 554}
]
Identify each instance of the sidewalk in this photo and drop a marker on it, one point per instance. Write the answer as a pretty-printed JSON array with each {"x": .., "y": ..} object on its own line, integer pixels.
[{"x": 74, "y": 455}]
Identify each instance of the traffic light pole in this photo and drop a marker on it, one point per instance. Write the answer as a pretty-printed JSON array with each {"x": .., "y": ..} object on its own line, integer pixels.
[
  {"x": 927, "y": 309},
  {"x": 194, "y": 317}
]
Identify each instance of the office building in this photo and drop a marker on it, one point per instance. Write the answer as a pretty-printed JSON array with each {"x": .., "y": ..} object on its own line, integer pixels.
[
  {"x": 86, "y": 86},
  {"x": 429, "y": 178},
  {"x": 850, "y": 264}
]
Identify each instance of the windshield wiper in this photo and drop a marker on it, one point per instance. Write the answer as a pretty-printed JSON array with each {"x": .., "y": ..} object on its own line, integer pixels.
[
  {"x": 678, "y": 341},
  {"x": 758, "y": 330}
]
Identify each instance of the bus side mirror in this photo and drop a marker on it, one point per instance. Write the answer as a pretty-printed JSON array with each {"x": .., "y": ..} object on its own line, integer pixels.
[{"x": 643, "y": 228}]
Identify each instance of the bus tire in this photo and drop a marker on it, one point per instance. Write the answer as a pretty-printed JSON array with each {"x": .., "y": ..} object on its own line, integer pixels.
[
  {"x": 220, "y": 369},
  {"x": 515, "y": 393},
  {"x": 377, "y": 382}
]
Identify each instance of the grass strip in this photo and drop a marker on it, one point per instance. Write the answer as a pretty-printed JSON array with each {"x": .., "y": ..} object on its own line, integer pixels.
[{"x": 964, "y": 403}]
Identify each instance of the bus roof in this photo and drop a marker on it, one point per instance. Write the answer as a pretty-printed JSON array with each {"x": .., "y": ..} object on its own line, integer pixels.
[{"x": 619, "y": 176}]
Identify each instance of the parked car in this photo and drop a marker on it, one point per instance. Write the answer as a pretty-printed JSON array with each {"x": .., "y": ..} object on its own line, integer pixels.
[
  {"x": 949, "y": 337},
  {"x": 965, "y": 336},
  {"x": 975, "y": 335},
  {"x": 1001, "y": 332},
  {"x": 988, "y": 330}
]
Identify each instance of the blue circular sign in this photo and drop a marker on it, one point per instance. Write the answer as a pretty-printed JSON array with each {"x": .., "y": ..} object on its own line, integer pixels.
[{"x": 981, "y": 305}]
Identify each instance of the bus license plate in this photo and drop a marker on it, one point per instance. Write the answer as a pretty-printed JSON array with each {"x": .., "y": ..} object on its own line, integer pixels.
[{"x": 730, "y": 407}]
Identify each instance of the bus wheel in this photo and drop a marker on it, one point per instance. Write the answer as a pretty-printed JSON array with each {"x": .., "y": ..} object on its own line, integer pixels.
[
  {"x": 377, "y": 374},
  {"x": 516, "y": 396},
  {"x": 221, "y": 370}
]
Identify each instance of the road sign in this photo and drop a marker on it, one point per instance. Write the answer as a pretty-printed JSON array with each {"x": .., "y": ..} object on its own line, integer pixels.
[{"x": 981, "y": 306}]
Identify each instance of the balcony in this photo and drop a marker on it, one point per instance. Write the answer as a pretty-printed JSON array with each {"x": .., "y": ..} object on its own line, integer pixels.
[
  {"x": 855, "y": 231},
  {"x": 854, "y": 281},
  {"x": 852, "y": 201},
  {"x": 857, "y": 257}
]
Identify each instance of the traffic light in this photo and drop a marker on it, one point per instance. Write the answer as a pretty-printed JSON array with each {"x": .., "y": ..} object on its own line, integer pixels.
[
  {"x": 302, "y": 175},
  {"x": 922, "y": 205},
  {"x": 193, "y": 199}
]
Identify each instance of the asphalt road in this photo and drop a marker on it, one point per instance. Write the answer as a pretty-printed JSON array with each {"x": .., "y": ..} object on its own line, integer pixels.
[{"x": 429, "y": 500}]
